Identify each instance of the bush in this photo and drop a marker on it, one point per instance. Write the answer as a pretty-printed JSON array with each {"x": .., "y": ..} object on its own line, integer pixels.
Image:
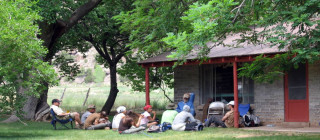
[
  {"x": 98, "y": 74},
  {"x": 89, "y": 78}
]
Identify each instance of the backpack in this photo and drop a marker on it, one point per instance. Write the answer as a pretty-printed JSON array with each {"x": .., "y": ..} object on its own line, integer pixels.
[
  {"x": 194, "y": 126},
  {"x": 154, "y": 129},
  {"x": 165, "y": 126},
  {"x": 199, "y": 127},
  {"x": 251, "y": 120},
  {"x": 256, "y": 120}
]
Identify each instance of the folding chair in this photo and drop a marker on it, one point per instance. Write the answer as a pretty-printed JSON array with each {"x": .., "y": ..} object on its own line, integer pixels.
[
  {"x": 243, "y": 109},
  {"x": 214, "y": 108},
  {"x": 62, "y": 122}
]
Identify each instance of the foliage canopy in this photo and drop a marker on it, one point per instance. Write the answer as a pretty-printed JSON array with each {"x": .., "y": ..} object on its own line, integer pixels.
[
  {"x": 181, "y": 25},
  {"x": 22, "y": 71}
]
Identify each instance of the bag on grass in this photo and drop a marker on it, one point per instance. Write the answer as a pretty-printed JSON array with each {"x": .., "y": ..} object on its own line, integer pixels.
[
  {"x": 251, "y": 120},
  {"x": 194, "y": 126},
  {"x": 154, "y": 129},
  {"x": 255, "y": 119}
]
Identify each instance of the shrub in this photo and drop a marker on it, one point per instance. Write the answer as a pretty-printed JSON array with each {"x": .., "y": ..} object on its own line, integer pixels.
[
  {"x": 98, "y": 74},
  {"x": 89, "y": 78}
]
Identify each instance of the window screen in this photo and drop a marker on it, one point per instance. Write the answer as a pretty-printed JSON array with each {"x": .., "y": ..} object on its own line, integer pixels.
[{"x": 297, "y": 83}]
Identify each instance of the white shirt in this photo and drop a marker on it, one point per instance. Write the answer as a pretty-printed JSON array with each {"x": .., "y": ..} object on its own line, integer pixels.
[
  {"x": 56, "y": 109},
  {"x": 116, "y": 120},
  {"x": 145, "y": 119}
]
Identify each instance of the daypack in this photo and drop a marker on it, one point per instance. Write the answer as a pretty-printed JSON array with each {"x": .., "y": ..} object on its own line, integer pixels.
[
  {"x": 251, "y": 120},
  {"x": 154, "y": 129},
  {"x": 194, "y": 126}
]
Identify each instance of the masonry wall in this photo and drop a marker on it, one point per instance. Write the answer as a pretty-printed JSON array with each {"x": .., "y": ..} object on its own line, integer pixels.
[
  {"x": 186, "y": 80},
  {"x": 269, "y": 102},
  {"x": 314, "y": 94},
  {"x": 268, "y": 98}
]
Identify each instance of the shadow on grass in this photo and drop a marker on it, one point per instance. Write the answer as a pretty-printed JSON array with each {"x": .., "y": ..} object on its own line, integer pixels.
[{"x": 19, "y": 135}]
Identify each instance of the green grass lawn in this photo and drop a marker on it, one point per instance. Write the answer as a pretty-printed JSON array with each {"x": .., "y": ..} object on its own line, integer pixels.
[{"x": 42, "y": 130}]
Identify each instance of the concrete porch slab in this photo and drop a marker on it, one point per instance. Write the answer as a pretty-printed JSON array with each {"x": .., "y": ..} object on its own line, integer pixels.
[{"x": 285, "y": 129}]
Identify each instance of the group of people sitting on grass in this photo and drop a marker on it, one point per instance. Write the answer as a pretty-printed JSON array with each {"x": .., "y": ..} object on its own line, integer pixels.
[{"x": 180, "y": 117}]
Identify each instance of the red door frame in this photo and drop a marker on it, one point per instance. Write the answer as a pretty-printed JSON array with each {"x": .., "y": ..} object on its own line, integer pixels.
[{"x": 286, "y": 97}]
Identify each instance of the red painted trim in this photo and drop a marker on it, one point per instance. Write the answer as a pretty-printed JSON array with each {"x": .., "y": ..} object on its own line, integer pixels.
[
  {"x": 286, "y": 98},
  {"x": 147, "y": 86},
  {"x": 307, "y": 87},
  {"x": 217, "y": 60},
  {"x": 235, "y": 94}
]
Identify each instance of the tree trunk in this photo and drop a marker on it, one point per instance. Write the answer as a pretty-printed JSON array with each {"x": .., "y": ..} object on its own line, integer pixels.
[
  {"x": 49, "y": 34},
  {"x": 113, "y": 91},
  {"x": 34, "y": 106}
]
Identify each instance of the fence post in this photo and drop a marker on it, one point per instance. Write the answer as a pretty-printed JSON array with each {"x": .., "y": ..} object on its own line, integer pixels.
[
  {"x": 84, "y": 103},
  {"x": 62, "y": 95}
]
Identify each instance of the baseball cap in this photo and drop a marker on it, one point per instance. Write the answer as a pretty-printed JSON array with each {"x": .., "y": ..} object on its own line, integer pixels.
[
  {"x": 120, "y": 109},
  {"x": 56, "y": 100},
  {"x": 147, "y": 107},
  {"x": 231, "y": 103}
]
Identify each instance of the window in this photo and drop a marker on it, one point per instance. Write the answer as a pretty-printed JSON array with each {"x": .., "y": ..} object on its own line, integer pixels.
[
  {"x": 217, "y": 83},
  {"x": 297, "y": 83}
]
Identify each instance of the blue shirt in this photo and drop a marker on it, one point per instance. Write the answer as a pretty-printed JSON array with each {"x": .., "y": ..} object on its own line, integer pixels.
[
  {"x": 189, "y": 103},
  {"x": 85, "y": 116}
]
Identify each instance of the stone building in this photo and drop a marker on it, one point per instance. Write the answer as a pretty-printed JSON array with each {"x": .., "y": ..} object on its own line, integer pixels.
[{"x": 293, "y": 100}]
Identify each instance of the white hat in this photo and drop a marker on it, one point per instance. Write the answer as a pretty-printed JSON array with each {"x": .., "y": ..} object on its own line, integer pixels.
[
  {"x": 231, "y": 103},
  {"x": 120, "y": 109}
]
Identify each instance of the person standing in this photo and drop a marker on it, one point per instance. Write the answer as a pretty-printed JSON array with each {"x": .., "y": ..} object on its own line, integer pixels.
[{"x": 91, "y": 109}]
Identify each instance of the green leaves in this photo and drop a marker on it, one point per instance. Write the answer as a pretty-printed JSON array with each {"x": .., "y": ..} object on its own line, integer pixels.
[
  {"x": 286, "y": 24},
  {"x": 20, "y": 57}
]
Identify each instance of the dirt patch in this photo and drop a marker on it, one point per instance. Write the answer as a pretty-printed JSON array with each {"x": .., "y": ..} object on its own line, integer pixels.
[{"x": 248, "y": 136}]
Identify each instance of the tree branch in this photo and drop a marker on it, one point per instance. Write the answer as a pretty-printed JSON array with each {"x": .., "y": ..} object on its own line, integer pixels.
[
  {"x": 104, "y": 47},
  {"x": 238, "y": 11},
  {"x": 81, "y": 12},
  {"x": 121, "y": 54}
]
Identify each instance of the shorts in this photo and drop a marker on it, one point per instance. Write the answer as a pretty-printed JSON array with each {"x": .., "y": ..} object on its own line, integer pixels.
[{"x": 70, "y": 116}]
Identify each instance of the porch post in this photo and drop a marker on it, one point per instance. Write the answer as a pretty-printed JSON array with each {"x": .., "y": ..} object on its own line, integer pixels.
[
  {"x": 147, "y": 85},
  {"x": 235, "y": 92}
]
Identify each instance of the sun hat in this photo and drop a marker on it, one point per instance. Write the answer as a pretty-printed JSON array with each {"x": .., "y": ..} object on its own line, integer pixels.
[
  {"x": 91, "y": 107},
  {"x": 171, "y": 106}
]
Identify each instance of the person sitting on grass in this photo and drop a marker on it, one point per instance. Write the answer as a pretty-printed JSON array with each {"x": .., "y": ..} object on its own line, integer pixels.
[
  {"x": 188, "y": 99},
  {"x": 147, "y": 121},
  {"x": 169, "y": 115},
  {"x": 117, "y": 118},
  {"x": 226, "y": 121},
  {"x": 91, "y": 109},
  {"x": 184, "y": 121},
  {"x": 128, "y": 126},
  {"x": 63, "y": 115},
  {"x": 92, "y": 122}
]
